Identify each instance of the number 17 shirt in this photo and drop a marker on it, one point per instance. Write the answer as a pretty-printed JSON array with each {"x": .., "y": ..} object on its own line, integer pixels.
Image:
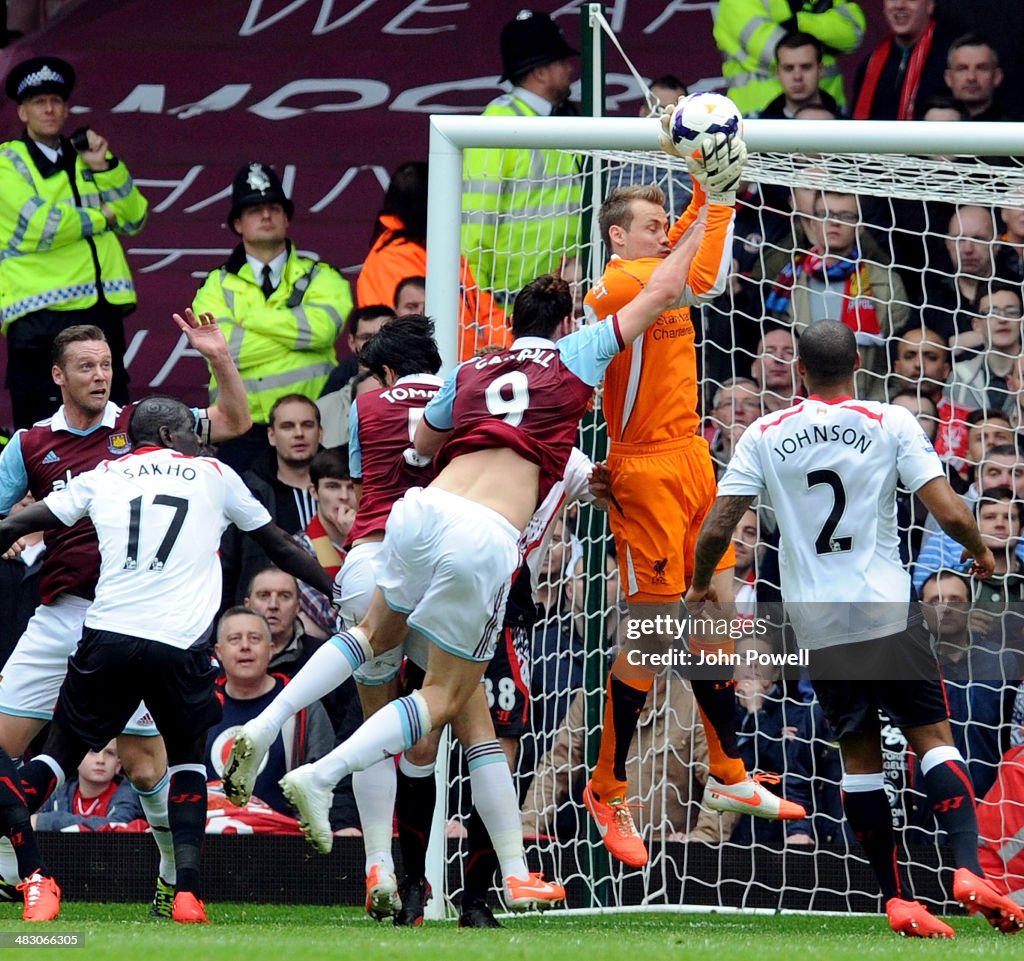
[
  {"x": 830, "y": 469},
  {"x": 159, "y": 516}
]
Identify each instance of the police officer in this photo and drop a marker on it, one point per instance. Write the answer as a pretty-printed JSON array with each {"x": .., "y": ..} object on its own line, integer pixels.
[
  {"x": 521, "y": 207},
  {"x": 280, "y": 312},
  {"x": 63, "y": 203}
]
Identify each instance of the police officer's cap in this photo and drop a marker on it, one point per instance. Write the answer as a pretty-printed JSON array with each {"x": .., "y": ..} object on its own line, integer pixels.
[
  {"x": 533, "y": 39},
  {"x": 40, "y": 75},
  {"x": 256, "y": 183}
]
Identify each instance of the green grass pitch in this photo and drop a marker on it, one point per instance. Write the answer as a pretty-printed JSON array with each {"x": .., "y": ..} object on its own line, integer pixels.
[{"x": 119, "y": 932}]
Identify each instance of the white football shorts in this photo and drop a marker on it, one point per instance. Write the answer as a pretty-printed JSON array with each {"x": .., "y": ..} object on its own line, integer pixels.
[
  {"x": 448, "y": 562},
  {"x": 33, "y": 674},
  {"x": 353, "y": 591}
]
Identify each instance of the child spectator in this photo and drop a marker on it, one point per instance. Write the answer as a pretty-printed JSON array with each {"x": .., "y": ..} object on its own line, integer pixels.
[
  {"x": 326, "y": 534},
  {"x": 99, "y": 799}
]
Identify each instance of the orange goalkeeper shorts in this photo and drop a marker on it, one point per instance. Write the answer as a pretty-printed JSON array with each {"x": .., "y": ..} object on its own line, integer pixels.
[{"x": 660, "y": 497}]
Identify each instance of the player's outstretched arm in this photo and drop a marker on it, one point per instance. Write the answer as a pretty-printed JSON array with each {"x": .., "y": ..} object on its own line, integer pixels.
[
  {"x": 664, "y": 288},
  {"x": 956, "y": 520},
  {"x": 36, "y": 517},
  {"x": 230, "y": 416},
  {"x": 291, "y": 558},
  {"x": 712, "y": 542}
]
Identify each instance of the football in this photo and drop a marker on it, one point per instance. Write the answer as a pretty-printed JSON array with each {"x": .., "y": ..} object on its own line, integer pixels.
[{"x": 703, "y": 115}]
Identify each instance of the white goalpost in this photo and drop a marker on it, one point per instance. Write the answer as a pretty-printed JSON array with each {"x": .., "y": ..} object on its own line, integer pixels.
[
  {"x": 890, "y": 168},
  {"x": 451, "y": 135}
]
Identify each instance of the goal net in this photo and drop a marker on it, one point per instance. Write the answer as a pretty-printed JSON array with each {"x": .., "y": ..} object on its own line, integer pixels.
[{"x": 906, "y": 233}]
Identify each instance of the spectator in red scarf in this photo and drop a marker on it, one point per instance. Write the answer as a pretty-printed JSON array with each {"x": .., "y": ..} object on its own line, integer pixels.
[
  {"x": 833, "y": 281},
  {"x": 326, "y": 535},
  {"x": 907, "y": 67},
  {"x": 94, "y": 801}
]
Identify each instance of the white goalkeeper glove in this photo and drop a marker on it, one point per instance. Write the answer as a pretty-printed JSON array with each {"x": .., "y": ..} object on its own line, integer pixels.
[
  {"x": 719, "y": 166},
  {"x": 665, "y": 136}
]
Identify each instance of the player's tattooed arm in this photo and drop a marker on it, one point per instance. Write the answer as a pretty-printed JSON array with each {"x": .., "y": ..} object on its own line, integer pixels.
[{"x": 713, "y": 541}]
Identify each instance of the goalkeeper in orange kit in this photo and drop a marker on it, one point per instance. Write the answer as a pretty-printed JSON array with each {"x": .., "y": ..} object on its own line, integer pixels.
[{"x": 663, "y": 483}]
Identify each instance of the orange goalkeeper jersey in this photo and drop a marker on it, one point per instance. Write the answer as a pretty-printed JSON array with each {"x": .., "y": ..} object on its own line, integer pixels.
[{"x": 650, "y": 389}]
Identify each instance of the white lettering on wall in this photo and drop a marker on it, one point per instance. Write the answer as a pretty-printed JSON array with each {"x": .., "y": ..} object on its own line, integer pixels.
[
  {"x": 369, "y": 94},
  {"x": 394, "y": 25}
]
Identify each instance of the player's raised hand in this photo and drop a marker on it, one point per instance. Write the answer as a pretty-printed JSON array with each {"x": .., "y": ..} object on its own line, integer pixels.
[
  {"x": 203, "y": 332},
  {"x": 665, "y": 137},
  {"x": 415, "y": 459}
]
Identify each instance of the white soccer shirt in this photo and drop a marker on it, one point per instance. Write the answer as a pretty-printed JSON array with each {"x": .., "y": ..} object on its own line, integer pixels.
[
  {"x": 830, "y": 469},
  {"x": 158, "y": 516}
]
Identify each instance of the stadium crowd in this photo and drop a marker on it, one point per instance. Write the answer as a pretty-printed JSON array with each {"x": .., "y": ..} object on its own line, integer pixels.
[{"x": 932, "y": 290}]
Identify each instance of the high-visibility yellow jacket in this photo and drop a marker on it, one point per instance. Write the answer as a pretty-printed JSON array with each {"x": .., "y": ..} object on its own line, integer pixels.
[
  {"x": 520, "y": 209},
  {"x": 747, "y": 32},
  {"x": 57, "y": 250},
  {"x": 283, "y": 344}
]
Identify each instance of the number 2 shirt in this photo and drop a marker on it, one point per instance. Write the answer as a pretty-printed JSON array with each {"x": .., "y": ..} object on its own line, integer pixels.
[
  {"x": 159, "y": 516},
  {"x": 830, "y": 469}
]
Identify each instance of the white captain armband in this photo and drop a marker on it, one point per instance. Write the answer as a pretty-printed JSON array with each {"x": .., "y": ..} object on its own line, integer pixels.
[
  {"x": 203, "y": 427},
  {"x": 415, "y": 459}
]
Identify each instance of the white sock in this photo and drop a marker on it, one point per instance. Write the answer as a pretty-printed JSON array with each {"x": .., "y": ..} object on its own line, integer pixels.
[
  {"x": 374, "y": 789},
  {"x": 939, "y": 755},
  {"x": 390, "y": 731},
  {"x": 332, "y": 664},
  {"x": 862, "y": 783},
  {"x": 495, "y": 798},
  {"x": 415, "y": 770},
  {"x": 154, "y": 806},
  {"x": 58, "y": 771}
]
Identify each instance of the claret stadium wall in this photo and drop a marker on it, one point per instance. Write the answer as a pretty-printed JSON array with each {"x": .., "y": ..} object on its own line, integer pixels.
[{"x": 907, "y": 180}]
